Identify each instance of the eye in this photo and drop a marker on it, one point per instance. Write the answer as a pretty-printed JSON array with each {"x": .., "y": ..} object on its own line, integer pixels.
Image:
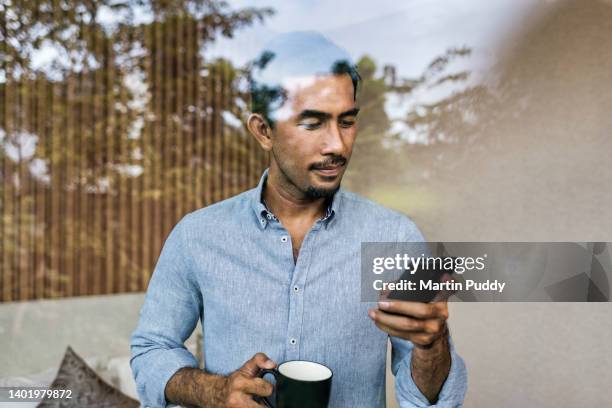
[
  {"x": 310, "y": 125},
  {"x": 347, "y": 123}
]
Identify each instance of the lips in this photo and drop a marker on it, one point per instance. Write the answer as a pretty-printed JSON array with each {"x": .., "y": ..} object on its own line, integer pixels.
[{"x": 329, "y": 170}]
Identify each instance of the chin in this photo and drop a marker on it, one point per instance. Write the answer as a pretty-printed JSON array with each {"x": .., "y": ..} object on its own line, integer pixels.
[{"x": 318, "y": 191}]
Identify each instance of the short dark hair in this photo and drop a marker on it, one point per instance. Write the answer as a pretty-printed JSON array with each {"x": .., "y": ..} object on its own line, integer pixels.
[{"x": 294, "y": 54}]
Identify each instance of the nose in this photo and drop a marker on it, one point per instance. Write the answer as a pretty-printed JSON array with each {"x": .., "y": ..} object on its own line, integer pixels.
[{"x": 333, "y": 142}]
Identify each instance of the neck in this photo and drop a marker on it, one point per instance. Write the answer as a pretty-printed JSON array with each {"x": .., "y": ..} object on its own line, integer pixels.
[{"x": 287, "y": 203}]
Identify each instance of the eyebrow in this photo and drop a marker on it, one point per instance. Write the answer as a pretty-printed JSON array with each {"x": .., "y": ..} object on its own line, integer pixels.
[
  {"x": 352, "y": 112},
  {"x": 311, "y": 113}
]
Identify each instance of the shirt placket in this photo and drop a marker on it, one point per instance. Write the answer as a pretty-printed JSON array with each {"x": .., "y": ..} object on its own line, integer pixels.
[{"x": 296, "y": 296}]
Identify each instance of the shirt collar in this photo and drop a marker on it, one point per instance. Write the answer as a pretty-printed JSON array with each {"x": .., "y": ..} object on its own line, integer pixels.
[{"x": 264, "y": 216}]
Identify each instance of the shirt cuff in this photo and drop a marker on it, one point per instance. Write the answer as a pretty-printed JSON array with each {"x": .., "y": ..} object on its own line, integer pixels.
[
  {"x": 159, "y": 366},
  {"x": 451, "y": 395}
]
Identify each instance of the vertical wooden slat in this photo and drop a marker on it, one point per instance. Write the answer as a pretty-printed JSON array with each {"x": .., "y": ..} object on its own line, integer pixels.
[
  {"x": 7, "y": 199},
  {"x": 198, "y": 136},
  {"x": 190, "y": 86},
  {"x": 57, "y": 199},
  {"x": 187, "y": 114},
  {"x": 12, "y": 133},
  {"x": 85, "y": 129},
  {"x": 53, "y": 214},
  {"x": 70, "y": 215},
  {"x": 110, "y": 170},
  {"x": 156, "y": 153},
  {"x": 96, "y": 203},
  {"x": 217, "y": 163},
  {"x": 143, "y": 199},
  {"x": 179, "y": 192},
  {"x": 40, "y": 259},
  {"x": 59, "y": 220},
  {"x": 251, "y": 143},
  {"x": 11, "y": 190},
  {"x": 25, "y": 268},
  {"x": 16, "y": 187},
  {"x": 32, "y": 247},
  {"x": 20, "y": 187},
  {"x": 62, "y": 248},
  {"x": 136, "y": 149},
  {"x": 208, "y": 136},
  {"x": 124, "y": 203},
  {"x": 225, "y": 135},
  {"x": 87, "y": 238},
  {"x": 166, "y": 137},
  {"x": 219, "y": 134},
  {"x": 3, "y": 186},
  {"x": 139, "y": 209},
  {"x": 235, "y": 148}
]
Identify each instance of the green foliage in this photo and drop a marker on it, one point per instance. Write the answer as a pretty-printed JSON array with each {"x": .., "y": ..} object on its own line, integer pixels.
[{"x": 383, "y": 156}]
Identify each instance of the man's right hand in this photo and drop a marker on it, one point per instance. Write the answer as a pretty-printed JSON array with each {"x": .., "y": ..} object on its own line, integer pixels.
[
  {"x": 194, "y": 387},
  {"x": 243, "y": 384}
]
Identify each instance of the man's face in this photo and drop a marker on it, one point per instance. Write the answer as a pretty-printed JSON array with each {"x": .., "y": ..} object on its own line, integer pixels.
[{"x": 314, "y": 134}]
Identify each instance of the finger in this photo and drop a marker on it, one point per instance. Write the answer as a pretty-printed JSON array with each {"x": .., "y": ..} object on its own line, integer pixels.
[
  {"x": 418, "y": 338},
  {"x": 441, "y": 307},
  {"x": 435, "y": 326},
  {"x": 416, "y": 309},
  {"x": 244, "y": 401},
  {"x": 397, "y": 322},
  {"x": 257, "y": 386},
  {"x": 443, "y": 295},
  {"x": 406, "y": 324},
  {"x": 391, "y": 331},
  {"x": 257, "y": 362},
  {"x": 384, "y": 294}
]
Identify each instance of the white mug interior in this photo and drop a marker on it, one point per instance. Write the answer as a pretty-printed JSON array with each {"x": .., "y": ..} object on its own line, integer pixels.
[{"x": 305, "y": 371}]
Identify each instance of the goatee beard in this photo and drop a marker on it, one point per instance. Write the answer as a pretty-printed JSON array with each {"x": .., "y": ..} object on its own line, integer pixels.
[{"x": 315, "y": 193}]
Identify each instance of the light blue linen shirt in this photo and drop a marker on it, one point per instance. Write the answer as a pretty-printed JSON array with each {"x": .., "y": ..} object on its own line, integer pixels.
[{"x": 231, "y": 266}]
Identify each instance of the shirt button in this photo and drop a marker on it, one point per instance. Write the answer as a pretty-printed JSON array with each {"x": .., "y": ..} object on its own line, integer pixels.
[
  {"x": 284, "y": 238},
  {"x": 262, "y": 221},
  {"x": 296, "y": 289},
  {"x": 269, "y": 216},
  {"x": 293, "y": 341}
]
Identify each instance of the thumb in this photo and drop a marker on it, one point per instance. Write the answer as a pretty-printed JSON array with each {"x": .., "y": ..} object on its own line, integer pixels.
[
  {"x": 444, "y": 294},
  {"x": 257, "y": 362}
]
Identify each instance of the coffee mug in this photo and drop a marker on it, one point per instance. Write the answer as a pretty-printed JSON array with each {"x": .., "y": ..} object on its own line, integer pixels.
[{"x": 300, "y": 384}]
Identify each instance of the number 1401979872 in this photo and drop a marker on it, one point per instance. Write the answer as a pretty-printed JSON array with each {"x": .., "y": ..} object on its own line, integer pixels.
[{"x": 33, "y": 394}]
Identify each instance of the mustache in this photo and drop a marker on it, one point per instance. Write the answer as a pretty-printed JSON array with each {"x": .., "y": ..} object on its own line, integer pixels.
[{"x": 332, "y": 162}]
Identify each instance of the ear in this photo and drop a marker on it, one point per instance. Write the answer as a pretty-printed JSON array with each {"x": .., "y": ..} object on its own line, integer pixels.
[{"x": 261, "y": 130}]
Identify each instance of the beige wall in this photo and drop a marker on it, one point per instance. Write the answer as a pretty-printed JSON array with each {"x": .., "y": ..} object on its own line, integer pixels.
[
  {"x": 533, "y": 354},
  {"x": 543, "y": 173}
]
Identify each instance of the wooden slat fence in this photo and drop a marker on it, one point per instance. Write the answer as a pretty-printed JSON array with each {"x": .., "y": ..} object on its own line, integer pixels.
[{"x": 99, "y": 161}]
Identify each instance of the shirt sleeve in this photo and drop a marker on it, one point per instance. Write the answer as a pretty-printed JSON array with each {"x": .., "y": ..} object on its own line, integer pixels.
[
  {"x": 407, "y": 393},
  {"x": 171, "y": 310}
]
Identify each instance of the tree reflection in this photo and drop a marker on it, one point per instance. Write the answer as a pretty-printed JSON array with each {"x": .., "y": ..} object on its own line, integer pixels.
[
  {"x": 408, "y": 124},
  {"x": 112, "y": 126}
]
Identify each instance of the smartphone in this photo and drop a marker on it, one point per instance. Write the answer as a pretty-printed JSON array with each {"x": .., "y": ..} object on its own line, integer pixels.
[{"x": 422, "y": 292}]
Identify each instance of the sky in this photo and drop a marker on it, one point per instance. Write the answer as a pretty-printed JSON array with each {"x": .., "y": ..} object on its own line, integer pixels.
[{"x": 408, "y": 34}]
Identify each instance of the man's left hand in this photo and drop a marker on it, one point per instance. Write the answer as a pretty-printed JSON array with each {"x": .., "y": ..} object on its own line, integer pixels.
[
  {"x": 421, "y": 323},
  {"x": 424, "y": 324}
]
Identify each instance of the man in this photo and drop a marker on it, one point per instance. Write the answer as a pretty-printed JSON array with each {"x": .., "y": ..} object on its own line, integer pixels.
[{"x": 274, "y": 273}]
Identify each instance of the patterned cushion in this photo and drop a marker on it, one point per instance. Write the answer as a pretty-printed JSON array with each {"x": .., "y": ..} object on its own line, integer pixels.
[{"x": 88, "y": 389}]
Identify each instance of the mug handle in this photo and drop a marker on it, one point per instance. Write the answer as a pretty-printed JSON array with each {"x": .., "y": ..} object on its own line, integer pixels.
[{"x": 262, "y": 373}]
